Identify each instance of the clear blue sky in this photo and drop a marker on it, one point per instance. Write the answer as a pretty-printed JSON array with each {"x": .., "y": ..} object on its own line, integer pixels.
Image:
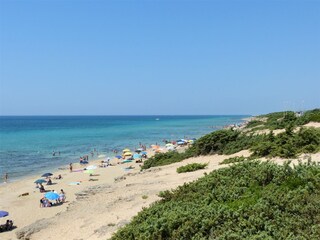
[{"x": 158, "y": 57}]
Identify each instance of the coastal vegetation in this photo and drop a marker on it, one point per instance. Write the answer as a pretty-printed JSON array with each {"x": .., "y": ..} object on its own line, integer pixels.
[
  {"x": 280, "y": 120},
  {"x": 191, "y": 167},
  {"x": 287, "y": 144},
  {"x": 162, "y": 159},
  {"x": 248, "y": 200}
]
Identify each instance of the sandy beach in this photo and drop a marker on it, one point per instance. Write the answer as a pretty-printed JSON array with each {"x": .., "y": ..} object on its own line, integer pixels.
[
  {"x": 96, "y": 209},
  {"x": 102, "y": 203}
]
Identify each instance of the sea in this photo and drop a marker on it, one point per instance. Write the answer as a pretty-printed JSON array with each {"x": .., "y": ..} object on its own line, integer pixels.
[{"x": 32, "y": 145}]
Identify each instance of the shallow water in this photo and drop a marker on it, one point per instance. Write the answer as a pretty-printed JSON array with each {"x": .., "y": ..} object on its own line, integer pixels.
[{"x": 27, "y": 143}]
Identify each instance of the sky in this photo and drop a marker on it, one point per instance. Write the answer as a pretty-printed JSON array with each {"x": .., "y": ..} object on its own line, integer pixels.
[{"x": 158, "y": 57}]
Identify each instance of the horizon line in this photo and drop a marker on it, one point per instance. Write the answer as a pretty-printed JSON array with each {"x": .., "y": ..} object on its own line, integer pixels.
[{"x": 122, "y": 115}]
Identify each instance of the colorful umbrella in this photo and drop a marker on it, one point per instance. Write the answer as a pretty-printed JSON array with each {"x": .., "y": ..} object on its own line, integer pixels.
[
  {"x": 127, "y": 153},
  {"x": 51, "y": 195},
  {"x": 47, "y": 175},
  {"x": 126, "y": 150},
  {"x": 40, "y": 181},
  {"x": 136, "y": 156},
  {"x": 3, "y": 213}
]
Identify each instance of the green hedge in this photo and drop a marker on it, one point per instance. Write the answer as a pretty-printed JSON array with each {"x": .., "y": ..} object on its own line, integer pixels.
[
  {"x": 191, "y": 167},
  {"x": 250, "y": 200}
]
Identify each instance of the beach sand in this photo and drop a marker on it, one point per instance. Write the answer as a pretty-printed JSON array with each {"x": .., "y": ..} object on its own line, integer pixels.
[{"x": 96, "y": 209}]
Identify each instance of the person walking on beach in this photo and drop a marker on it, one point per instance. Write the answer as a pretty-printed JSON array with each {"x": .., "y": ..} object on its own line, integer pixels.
[
  {"x": 6, "y": 177},
  {"x": 70, "y": 167}
]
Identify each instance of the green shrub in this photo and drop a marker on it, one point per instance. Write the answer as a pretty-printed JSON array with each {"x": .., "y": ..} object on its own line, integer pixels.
[
  {"x": 310, "y": 116},
  {"x": 191, "y": 167},
  {"x": 224, "y": 141},
  {"x": 249, "y": 200},
  {"x": 162, "y": 159},
  {"x": 288, "y": 144}
]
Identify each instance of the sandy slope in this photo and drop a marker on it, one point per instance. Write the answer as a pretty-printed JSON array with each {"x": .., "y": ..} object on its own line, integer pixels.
[{"x": 102, "y": 202}]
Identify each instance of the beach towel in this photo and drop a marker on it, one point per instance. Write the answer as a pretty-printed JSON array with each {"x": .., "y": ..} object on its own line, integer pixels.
[{"x": 74, "y": 183}]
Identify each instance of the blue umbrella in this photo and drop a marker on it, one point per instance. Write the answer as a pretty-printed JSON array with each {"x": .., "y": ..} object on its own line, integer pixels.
[
  {"x": 40, "y": 181},
  {"x": 118, "y": 156},
  {"x": 136, "y": 156},
  {"x": 144, "y": 153},
  {"x": 51, "y": 195},
  {"x": 3, "y": 213},
  {"x": 47, "y": 175}
]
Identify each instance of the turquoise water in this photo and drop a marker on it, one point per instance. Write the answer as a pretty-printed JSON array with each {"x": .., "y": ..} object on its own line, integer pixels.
[{"x": 27, "y": 143}]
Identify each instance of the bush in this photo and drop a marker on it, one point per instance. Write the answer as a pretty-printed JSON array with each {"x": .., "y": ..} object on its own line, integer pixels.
[
  {"x": 288, "y": 144},
  {"x": 224, "y": 141},
  {"x": 250, "y": 200},
  {"x": 191, "y": 167},
  {"x": 254, "y": 123},
  {"x": 310, "y": 116},
  {"x": 162, "y": 159}
]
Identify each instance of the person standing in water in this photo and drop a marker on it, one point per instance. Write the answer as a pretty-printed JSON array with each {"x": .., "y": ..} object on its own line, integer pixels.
[{"x": 6, "y": 177}]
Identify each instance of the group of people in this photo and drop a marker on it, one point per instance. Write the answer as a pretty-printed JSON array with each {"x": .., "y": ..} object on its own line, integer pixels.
[
  {"x": 105, "y": 163},
  {"x": 44, "y": 202},
  {"x": 84, "y": 159},
  {"x": 7, "y": 226}
]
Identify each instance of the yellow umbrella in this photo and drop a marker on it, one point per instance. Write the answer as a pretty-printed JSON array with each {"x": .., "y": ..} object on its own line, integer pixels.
[
  {"x": 126, "y": 150},
  {"x": 127, "y": 153}
]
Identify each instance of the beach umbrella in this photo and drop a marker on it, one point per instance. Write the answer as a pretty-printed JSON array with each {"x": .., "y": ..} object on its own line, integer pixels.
[
  {"x": 91, "y": 167},
  {"x": 136, "y": 156},
  {"x": 138, "y": 150},
  {"x": 47, "y": 175},
  {"x": 51, "y": 195},
  {"x": 118, "y": 156},
  {"x": 3, "y": 213},
  {"x": 127, "y": 153},
  {"x": 180, "y": 143},
  {"x": 126, "y": 150},
  {"x": 144, "y": 153},
  {"x": 40, "y": 181}
]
